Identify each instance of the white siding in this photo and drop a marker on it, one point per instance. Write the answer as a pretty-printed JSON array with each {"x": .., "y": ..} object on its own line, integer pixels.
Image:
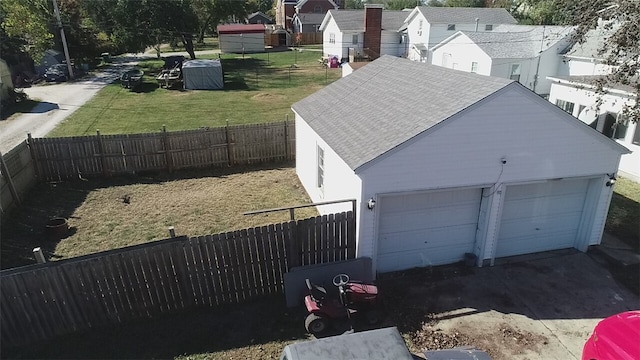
[
  {"x": 340, "y": 182},
  {"x": 439, "y": 32},
  {"x": 416, "y": 36},
  {"x": 237, "y": 43},
  {"x": 502, "y": 68},
  {"x": 466, "y": 151},
  {"x": 390, "y": 43},
  {"x": 329, "y": 49},
  {"x": 585, "y": 67},
  {"x": 463, "y": 53},
  {"x": 630, "y": 163}
]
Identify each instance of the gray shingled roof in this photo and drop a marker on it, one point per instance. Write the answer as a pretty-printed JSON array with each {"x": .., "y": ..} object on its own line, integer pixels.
[
  {"x": 594, "y": 41},
  {"x": 460, "y": 15},
  {"x": 388, "y": 102},
  {"x": 353, "y": 20},
  {"x": 518, "y": 41},
  {"x": 310, "y": 18}
]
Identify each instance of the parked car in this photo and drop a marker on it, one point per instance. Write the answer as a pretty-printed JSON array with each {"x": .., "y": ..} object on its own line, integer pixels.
[
  {"x": 615, "y": 338},
  {"x": 57, "y": 73}
]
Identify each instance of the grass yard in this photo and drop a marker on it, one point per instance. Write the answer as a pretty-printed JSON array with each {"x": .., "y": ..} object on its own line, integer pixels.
[
  {"x": 623, "y": 219},
  {"x": 195, "y": 203},
  {"x": 258, "y": 88}
]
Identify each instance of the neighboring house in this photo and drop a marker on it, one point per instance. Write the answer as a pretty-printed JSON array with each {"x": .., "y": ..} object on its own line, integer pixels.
[
  {"x": 284, "y": 13},
  {"x": 259, "y": 18},
  {"x": 241, "y": 38},
  {"x": 372, "y": 31},
  {"x": 315, "y": 6},
  {"x": 527, "y": 54},
  {"x": 484, "y": 167},
  {"x": 427, "y": 26},
  {"x": 573, "y": 91},
  {"x": 307, "y": 22},
  {"x": 286, "y": 9}
]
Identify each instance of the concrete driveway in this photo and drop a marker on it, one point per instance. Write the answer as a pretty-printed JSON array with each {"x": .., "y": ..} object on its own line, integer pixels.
[
  {"x": 541, "y": 306},
  {"x": 56, "y": 102}
]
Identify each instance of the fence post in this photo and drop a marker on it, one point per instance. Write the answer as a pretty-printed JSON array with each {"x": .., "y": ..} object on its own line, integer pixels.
[
  {"x": 12, "y": 188},
  {"x": 172, "y": 231},
  {"x": 286, "y": 140},
  {"x": 229, "y": 148},
  {"x": 34, "y": 158},
  {"x": 37, "y": 252},
  {"x": 103, "y": 160},
  {"x": 293, "y": 247},
  {"x": 167, "y": 153}
]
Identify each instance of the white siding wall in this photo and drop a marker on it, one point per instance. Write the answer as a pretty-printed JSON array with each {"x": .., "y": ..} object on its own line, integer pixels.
[
  {"x": 235, "y": 43},
  {"x": 467, "y": 149},
  {"x": 550, "y": 61},
  {"x": 390, "y": 43},
  {"x": 416, "y": 36},
  {"x": 585, "y": 67},
  {"x": 630, "y": 163},
  {"x": 329, "y": 49},
  {"x": 463, "y": 53},
  {"x": 340, "y": 182},
  {"x": 502, "y": 68}
]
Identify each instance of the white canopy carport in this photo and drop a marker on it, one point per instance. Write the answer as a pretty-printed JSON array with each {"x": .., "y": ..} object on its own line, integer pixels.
[{"x": 202, "y": 75}]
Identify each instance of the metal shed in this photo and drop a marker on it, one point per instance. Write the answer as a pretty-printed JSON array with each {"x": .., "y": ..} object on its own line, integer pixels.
[{"x": 202, "y": 75}]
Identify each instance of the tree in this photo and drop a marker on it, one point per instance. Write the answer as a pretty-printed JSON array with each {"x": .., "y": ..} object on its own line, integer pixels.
[
  {"x": 464, "y": 3},
  {"x": 354, "y": 4},
  {"x": 210, "y": 13},
  {"x": 621, "y": 48},
  {"x": 133, "y": 25},
  {"x": 28, "y": 23},
  {"x": 401, "y": 4},
  {"x": 436, "y": 3}
]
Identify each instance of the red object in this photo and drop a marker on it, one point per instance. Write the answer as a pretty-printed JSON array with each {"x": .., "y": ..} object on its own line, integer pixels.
[
  {"x": 241, "y": 29},
  {"x": 615, "y": 338}
]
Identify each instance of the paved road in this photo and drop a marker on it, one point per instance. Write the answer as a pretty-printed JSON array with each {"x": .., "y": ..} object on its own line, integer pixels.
[{"x": 57, "y": 101}]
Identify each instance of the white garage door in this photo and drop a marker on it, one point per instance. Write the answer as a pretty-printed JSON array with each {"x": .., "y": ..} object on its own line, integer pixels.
[
  {"x": 427, "y": 228},
  {"x": 541, "y": 217}
]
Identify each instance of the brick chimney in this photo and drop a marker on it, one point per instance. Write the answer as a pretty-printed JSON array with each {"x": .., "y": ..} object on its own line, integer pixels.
[{"x": 372, "y": 29}]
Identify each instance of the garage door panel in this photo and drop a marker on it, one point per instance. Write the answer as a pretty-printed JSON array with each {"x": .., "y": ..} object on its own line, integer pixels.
[
  {"x": 427, "y": 228},
  {"x": 427, "y": 218},
  {"x": 541, "y": 217},
  {"x": 523, "y": 208},
  {"x": 408, "y": 241}
]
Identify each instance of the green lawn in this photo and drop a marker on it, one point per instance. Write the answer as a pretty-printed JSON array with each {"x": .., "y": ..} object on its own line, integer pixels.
[
  {"x": 623, "y": 219},
  {"x": 258, "y": 88}
]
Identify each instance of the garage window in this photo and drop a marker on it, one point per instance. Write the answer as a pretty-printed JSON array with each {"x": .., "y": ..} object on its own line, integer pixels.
[
  {"x": 332, "y": 38},
  {"x": 320, "y": 183},
  {"x": 565, "y": 105}
]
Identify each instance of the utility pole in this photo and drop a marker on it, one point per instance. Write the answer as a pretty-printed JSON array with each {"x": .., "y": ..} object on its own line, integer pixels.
[{"x": 64, "y": 38}]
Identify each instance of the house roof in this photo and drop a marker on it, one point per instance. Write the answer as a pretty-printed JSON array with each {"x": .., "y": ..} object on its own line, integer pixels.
[
  {"x": 310, "y": 18},
  {"x": 516, "y": 41},
  {"x": 240, "y": 28},
  {"x": 589, "y": 81},
  {"x": 258, "y": 13},
  {"x": 353, "y": 20},
  {"x": 301, "y": 3},
  {"x": 464, "y": 15},
  {"x": 360, "y": 127},
  {"x": 594, "y": 41}
]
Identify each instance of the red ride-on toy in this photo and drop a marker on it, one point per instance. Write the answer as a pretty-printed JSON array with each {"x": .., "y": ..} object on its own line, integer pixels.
[{"x": 354, "y": 299}]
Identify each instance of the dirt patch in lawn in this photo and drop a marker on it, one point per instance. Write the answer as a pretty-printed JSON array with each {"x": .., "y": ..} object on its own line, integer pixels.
[
  {"x": 267, "y": 97},
  {"x": 105, "y": 214}
]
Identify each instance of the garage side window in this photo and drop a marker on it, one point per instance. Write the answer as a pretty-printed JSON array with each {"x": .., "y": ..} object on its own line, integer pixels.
[{"x": 320, "y": 167}]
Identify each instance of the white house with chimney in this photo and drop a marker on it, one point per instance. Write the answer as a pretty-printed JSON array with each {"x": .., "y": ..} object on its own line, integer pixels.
[
  {"x": 524, "y": 53},
  {"x": 426, "y": 26},
  {"x": 370, "y": 32},
  {"x": 573, "y": 90}
]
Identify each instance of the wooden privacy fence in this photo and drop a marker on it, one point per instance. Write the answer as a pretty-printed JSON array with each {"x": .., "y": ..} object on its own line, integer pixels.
[
  {"x": 72, "y": 157},
  {"x": 40, "y": 302},
  {"x": 17, "y": 176},
  {"x": 310, "y": 38}
]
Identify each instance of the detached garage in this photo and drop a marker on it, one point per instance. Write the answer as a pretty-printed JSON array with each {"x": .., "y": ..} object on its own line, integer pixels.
[
  {"x": 241, "y": 38},
  {"x": 444, "y": 163}
]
